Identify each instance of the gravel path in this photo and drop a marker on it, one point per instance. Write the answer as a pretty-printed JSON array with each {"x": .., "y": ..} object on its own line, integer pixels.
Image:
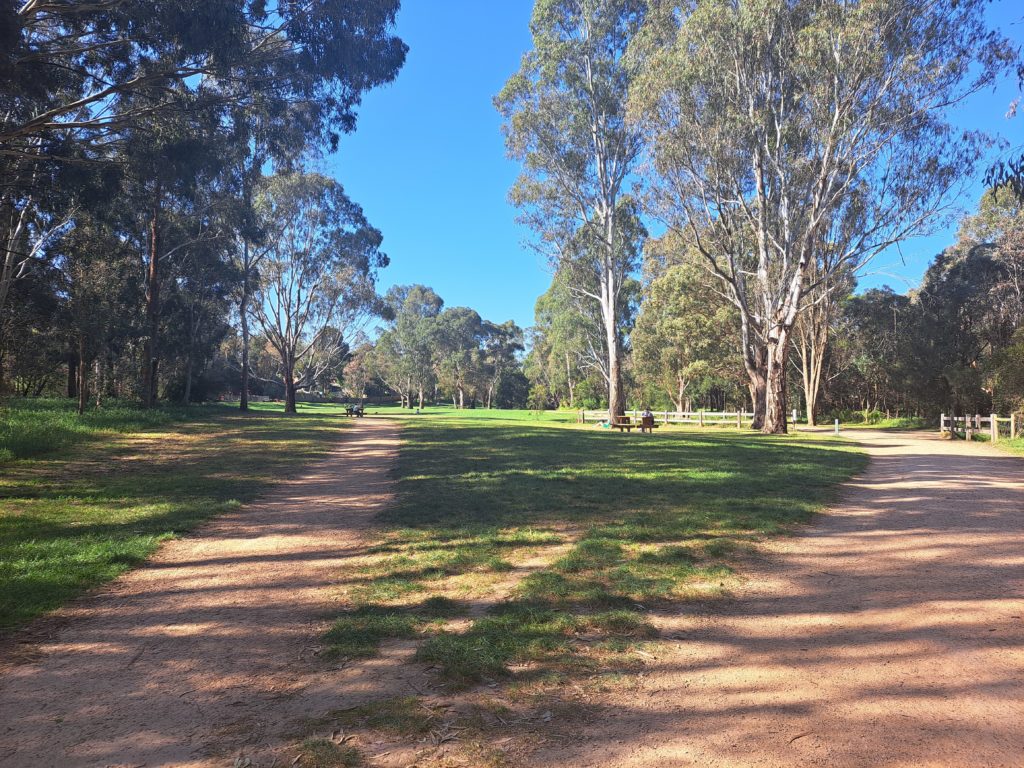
[
  {"x": 205, "y": 653},
  {"x": 888, "y": 633}
]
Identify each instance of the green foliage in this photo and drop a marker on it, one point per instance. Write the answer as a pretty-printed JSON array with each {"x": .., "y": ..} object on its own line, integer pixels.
[{"x": 681, "y": 344}]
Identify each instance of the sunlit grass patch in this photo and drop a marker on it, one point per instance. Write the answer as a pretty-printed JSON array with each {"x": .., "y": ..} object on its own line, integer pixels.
[
  {"x": 658, "y": 521},
  {"x": 466, "y": 560},
  {"x": 85, "y": 510},
  {"x": 358, "y": 633},
  {"x": 517, "y": 631}
]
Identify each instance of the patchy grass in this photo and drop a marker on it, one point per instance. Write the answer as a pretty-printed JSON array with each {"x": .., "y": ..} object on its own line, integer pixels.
[
  {"x": 75, "y": 518},
  {"x": 403, "y": 715},
  {"x": 323, "y": 753},
  {"x": 358, "y": 633},
  {"x": 619, "y": 524},
  {"x": 1012, "y": 446}
]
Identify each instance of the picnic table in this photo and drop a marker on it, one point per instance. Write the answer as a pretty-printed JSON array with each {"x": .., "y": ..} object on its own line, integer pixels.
[
  {"x": 626, "y": 424},
  {"x": 354, "y": 410}
]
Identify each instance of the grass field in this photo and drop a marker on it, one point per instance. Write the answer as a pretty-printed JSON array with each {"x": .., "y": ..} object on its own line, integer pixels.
[
  {"x": 82, "y": 499},
  {"x": 559, "y": 541}
]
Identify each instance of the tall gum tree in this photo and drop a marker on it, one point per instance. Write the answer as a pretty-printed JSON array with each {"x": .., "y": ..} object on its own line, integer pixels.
[
  {"x": 777, "y": 127},
  {"x": 564, "y": 114},
  {"x": 318, "y": 277}
]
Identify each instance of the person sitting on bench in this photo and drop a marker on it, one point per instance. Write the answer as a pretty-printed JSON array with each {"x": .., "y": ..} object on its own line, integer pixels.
[{"x": 647, "y": 421}]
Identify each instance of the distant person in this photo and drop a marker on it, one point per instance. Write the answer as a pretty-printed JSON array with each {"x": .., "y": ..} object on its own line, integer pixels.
[{"x": 647, "y": 421}]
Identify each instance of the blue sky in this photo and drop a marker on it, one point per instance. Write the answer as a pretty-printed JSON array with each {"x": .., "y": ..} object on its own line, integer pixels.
[{"x": 428, "y": 165}]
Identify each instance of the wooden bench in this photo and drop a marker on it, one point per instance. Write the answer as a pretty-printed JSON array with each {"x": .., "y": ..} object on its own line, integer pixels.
[
  {"x": 626, "y": 424},
  {"x": 648, "y": 424}
]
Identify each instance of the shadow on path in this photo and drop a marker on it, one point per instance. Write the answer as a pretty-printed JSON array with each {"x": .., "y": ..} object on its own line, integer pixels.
[
  {"x": 205, "y": 650},
  {"x": 889, "y": 633}
]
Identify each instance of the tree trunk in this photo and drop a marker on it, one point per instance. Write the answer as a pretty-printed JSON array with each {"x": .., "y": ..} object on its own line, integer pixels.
[
  {"x": 775, "y": 385},
  {"x": 83, "y": 394},
  {"x": 421, "y": 397},
  {"x": 243, "y": 310},
  {"x": 289, "y": 387},
  {"x": 755, "y": 364},
  {"x": 98, "y": 380},
  {"x": 72, "y": 378},
  {"x": 810, "y": 384},
  {"x": 150, "y": 351},
  {"x": 680, "y": 398},
  {"x": 569, "y": 382},
  {"x": 758, "y": 397},
  {"x": 616, "y": 396},
  {"x": 191, "y": 349},
  {"x": 188, "y": 381},
  {"x": 462, "y": 398}
]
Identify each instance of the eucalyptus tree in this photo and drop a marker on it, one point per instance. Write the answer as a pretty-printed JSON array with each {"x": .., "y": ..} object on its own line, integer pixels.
[
  {"x": 71, "y": 72},
  {"x": 564, "y": 114},
  {"x": 561, "y": 341},
  {"x": 777, "y": 127},
  {"x": 817, "y": 358},
  {"x": 679, "y": 336},
  {"x": 318, "y": 280},
  {"x": 502, "y": 344},
  {"x": 405, "y": 355},
  {"x": 459, "y": 361},
  {"x": 79, "y": 80}
]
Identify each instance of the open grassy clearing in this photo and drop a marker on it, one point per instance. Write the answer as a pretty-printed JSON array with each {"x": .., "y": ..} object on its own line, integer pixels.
[
  {"x": 562, "y": 542},
  {"x": 103, "y": 491}
]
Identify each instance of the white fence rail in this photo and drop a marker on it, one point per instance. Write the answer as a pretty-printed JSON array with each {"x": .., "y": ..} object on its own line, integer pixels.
[
  {"x": 969, "y": 426},
  {"x": 701, "y": 418}
]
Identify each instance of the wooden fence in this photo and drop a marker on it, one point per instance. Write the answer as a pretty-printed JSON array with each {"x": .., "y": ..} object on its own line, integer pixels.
[
  {"x": 701, "y": 418},
  {"x": 969, "y": 426}
]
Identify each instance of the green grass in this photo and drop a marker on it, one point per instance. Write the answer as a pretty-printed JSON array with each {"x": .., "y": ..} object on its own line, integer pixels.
[
  {"x": 359, "y": 632},
  {"x": 30, "y": 428},
  {"x": 403, "y": 715},
  {"x": 626, "y": 524},
  {"x": 324, "y": 753},
  {"x": 1012, "y": 446},
  {"x": 895, "y": 423},
  {"x": 104, "y": 490}
]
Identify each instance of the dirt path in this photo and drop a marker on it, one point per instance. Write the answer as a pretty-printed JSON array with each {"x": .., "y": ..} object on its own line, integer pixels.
[
  {"x": 206, "y": 652},
  {"x": 890, "y": 633}
]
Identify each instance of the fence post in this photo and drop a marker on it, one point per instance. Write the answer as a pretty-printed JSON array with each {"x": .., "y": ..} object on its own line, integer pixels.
[
  {"x": 739, "y": 419},
  {"x": 700, "y": 416},
  {"x": 666, "y": 418},
  {"x": 942, "y": 424},
  {"x": 1013, "y": 426},
  {"x": 837, "y": 426},
  {"x": 994, "y": 427}
]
